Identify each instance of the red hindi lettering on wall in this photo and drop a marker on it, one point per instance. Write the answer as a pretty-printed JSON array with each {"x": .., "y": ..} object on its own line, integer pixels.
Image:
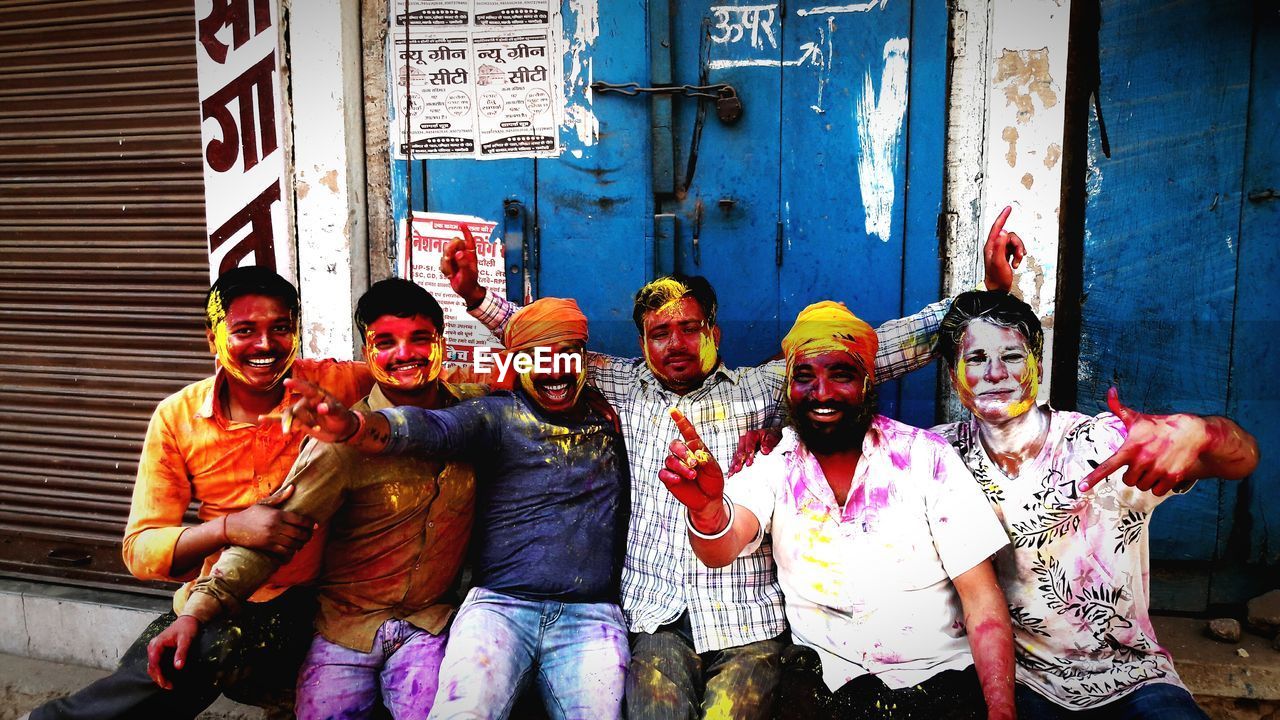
[
  {"x": 256, "y": 215},
  {"x": 235, "y": 14},
  {"x": 254, "y": 83}
]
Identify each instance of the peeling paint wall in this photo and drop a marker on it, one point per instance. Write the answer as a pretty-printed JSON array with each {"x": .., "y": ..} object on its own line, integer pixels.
[
  {"x": 329, "y": 177},
  {"x": 1025, "y": 121},
  {"x": 1009, "y": 63}
]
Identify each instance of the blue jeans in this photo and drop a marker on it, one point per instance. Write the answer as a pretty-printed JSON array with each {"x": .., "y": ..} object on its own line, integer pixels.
[
  {"x": 576, "y": 653},
  {"x": 403, "y": 668},
  {"x": 1152, "y": 701}
]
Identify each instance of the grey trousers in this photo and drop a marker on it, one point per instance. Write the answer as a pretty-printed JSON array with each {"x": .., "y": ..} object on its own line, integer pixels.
[{"x": 668, "y": 680}]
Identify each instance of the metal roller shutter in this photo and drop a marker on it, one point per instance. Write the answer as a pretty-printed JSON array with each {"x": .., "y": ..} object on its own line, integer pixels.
[{"x": 103, "y": 268}]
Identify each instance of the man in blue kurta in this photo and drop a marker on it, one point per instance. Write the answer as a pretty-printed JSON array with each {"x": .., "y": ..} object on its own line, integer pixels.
[{"x": 551, "y": 513}]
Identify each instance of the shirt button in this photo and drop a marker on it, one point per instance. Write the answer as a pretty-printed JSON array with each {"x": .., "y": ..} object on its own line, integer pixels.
[{"x": 431, "y": 524}]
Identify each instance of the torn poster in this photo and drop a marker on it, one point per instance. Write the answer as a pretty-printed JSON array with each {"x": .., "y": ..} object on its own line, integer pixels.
[{"x": 420, "y": 262}]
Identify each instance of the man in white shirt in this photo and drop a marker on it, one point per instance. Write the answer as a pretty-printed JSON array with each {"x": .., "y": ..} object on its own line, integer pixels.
[{"x": 882, "y": 542}]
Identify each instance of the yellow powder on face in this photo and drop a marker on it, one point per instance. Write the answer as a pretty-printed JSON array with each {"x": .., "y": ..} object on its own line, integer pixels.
[
  {"x": 435, "y": 362},
  {"x": 526, "y": 382},
  {"x": 216, "y": 312},
  {"x": 1030, "y": 382},
  {"x": 668, "y": 291},
  {"x": 962, "y": 379},
  {"x": 707, "y": 352}
]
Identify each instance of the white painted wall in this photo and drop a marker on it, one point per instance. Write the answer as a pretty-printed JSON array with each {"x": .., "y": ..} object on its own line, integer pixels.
[
  {"x": 326, "y": 96},
  {"x": 1004, "y": 142}
]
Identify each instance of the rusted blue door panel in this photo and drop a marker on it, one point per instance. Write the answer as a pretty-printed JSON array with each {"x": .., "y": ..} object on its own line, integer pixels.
[
  {"x": 1254, "y": 397},
  {"x": 727, "y": 174},
  {"x": 595, "y": 209},
  {"x": 923, "y": 152},
  {"x": 844, "y": 164},
  {"x": 1162, "y": 231}
]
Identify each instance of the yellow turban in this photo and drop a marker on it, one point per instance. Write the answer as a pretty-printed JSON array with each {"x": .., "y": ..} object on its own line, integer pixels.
[
  {"x": 545, "y": 322},
  {"x": 829, "y": 326}
]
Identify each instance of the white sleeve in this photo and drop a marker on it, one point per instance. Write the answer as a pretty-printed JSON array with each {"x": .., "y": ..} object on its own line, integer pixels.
[
  {"x": 754, "y": 489},
  {"x": 965, "y": 528}
]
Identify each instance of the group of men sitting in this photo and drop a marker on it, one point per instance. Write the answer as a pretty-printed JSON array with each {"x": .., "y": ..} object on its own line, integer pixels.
[{"x": 856, "y": 567}]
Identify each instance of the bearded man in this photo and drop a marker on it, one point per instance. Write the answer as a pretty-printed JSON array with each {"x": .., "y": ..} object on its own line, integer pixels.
[{"x": 881, "y": 540}]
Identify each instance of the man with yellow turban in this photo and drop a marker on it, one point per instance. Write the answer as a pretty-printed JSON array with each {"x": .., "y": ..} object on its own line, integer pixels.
[
  {"x": 550, "y": 522},
  {"x": 705, "y": 641},
  {"x": 882, "y": 539}
]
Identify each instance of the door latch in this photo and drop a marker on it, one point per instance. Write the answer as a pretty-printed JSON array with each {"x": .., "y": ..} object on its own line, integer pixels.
[{"x": 728, "y": 104}]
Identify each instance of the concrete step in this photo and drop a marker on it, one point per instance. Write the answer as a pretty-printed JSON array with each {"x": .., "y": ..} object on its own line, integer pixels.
[{"x": 27, "y": 682}]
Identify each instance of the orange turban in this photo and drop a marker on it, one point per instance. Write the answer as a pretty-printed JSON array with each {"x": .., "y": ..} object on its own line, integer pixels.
[
  {"x": 545, "y": 322},
  {"x": 829, "y": 326}
]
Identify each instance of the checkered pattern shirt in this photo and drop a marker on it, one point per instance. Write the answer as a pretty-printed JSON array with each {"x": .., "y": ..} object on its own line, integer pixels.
[{"x": 661, "y": 577}]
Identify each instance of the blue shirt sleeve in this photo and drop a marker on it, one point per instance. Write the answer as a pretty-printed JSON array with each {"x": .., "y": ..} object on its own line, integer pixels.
[{"x": 444, "y": 433}]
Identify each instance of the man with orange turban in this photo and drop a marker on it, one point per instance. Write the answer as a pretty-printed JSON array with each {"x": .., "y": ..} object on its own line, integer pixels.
[
  {"x": 550, "y": 522},
  {"x": 882, "y": 538}
]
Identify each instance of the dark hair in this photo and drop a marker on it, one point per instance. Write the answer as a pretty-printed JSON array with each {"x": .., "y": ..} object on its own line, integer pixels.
[
  {"x": 241, "y": 281},
  {"x": 995, "y": 306},
  {"x": 658, "y": 293},
  {"x": 398, "y": 297}
]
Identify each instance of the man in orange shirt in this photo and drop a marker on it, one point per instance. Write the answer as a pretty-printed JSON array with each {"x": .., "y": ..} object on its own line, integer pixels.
[{"x": 205, "y": 443}]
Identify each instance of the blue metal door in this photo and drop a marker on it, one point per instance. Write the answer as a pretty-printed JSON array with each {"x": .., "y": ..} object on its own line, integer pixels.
[
  {"x": 804, "y": 197},
  {"x": 1180, "y": 306}
]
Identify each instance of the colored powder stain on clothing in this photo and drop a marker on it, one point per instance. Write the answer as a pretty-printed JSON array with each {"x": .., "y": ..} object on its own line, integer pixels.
[{"x": 721, "y": 709}]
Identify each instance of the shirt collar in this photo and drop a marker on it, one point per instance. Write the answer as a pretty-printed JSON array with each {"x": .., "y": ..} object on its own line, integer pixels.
[
  {"x": 377, "y": 400},
  {"x": 209, "y": 407},
  {"x": 654, "y": 385}
]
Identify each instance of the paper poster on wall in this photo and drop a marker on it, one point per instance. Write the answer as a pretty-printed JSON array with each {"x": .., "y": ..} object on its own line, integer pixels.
[
  {"x": 430, "y": 232},
  {"x": 478, "y": 79}
]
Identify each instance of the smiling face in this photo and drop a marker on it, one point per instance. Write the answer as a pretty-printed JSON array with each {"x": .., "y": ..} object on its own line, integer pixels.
[
  {"x": 255, "y": 340},
  {"x": 557, "y": 385},
  {"x": 679, "y": 345},
  {"x": 996, "y": 374},
  {"x": 832, "y": 401},
  {"x": 404, "y": 354}
]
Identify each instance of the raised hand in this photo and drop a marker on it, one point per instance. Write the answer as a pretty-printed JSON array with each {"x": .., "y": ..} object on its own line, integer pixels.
[
  {"x": 694, "y": 476},
  {"x": 1002, "y": 253},
  {"x": 762, "y": 441},
  {"x": 177, "y": 636},
  {"x": 267, "y": 528},
  {"x": 320, "y": 414},
  {"x": 458, "y": 263},
  {"x": 1161, "y": 452}
]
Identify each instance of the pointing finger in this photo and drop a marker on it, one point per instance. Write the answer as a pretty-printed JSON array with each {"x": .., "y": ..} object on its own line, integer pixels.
[
  {"x": 998, "y": 226},
  {"x": 686, "y": 430},
  {"x": 468, "y": 240},
  {"x": 1105, "y": 468}
]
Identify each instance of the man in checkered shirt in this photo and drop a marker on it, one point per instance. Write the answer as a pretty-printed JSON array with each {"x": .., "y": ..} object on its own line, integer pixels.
[{"x": 703, "y": 637}]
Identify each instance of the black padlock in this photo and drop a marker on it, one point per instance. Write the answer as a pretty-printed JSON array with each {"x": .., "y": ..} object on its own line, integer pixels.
[{"x": 728, "y": 106}]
